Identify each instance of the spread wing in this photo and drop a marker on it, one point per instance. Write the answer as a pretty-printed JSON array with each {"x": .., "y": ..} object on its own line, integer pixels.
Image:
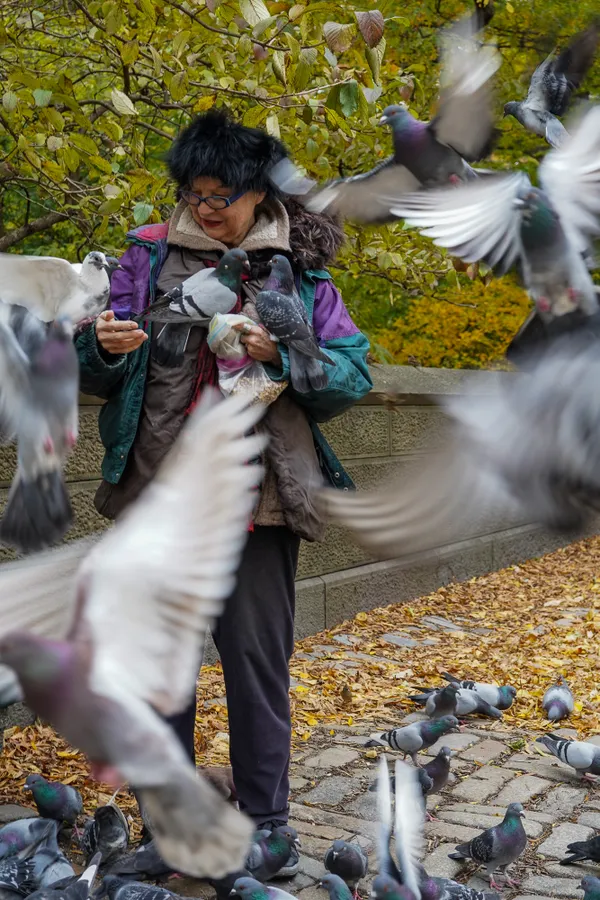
[
  {"x": 41, "y": 283},
  {"x": 155, "y": 583}
]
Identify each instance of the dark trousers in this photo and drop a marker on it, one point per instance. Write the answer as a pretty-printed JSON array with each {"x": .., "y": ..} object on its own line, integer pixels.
[{"x": 255, "y": 639}]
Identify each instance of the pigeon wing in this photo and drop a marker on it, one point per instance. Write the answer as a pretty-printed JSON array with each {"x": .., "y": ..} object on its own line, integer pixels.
[
  {"x": 41, "y": 283},
  {"x": 164, "y": 573},
  {"x": 363, "y": 198},
  {"x": 408, "y": 826}
]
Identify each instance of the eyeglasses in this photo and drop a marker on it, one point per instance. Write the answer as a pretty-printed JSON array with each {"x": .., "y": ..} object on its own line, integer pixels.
[{"x": 212, "y": 202}]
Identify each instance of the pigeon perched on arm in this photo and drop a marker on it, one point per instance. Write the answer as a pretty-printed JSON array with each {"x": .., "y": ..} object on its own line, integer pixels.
[
  {"x": 500, "y": 697},
  {"x": 582, "y": 850},
  {"x": 270, "y": 852},
  {"x": 558, "y": 701},
  {"x": 417, "y": 736},
  {"x": 124, "y": 630},
  {"x": 194, "y": 302},
  {"x": 349, "y": 861},
  {"x": 497, "y": 847},
  {"x": 425, "y": 154},
  {"x": 54, "y": 800},
  {"x": 580, "y": 755},
  {"x": 552, "y": 86},
  {"x": 590, "y": 887},
  {"x": 284, "y": 315},
  {"x": 53, "y": 288},
  {"x": 39, "y": 393},
  {"x": 437, "y": 703}
]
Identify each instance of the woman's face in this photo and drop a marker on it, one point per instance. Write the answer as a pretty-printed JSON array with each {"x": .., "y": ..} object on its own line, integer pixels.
[{"x": 230, "y": 225}]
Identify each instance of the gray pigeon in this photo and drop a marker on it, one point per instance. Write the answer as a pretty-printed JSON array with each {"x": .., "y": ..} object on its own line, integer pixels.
[
  {"x": 525, "y": 446},
  {"x": 106, "y": 833},
  {"x": 500, "y": 697},
  {"x": 53, "y": 288},
  {"x": 19, "y": 873},
  {"x": 25, "y": 834},
  {"x": 497, "y": 847},
  {"x": 51, "y": 866},
  {"x": 349, "y": 861},
  {"x": 425, "y": 154},
  {"x": 437, "y": 702},
  {"x": 71, "y": 888},
  {"x": 194, "y": 302},
  {"x": 54, "y": 800},
  {"x": 416, "y": 736},
  {"x": 433, "y": 888},
  {"x": 581, "y": 756},
  {"x": 470, "y": 703},
  {"x": 144, "y": 862},
  {"x": 251, "y": 889},
  {"x": 582, "y": 850},
  {"x": 116, "y": 888},
  {"x": 39, "y": 393},
  {"x": 590, "y": 887},
  {"x": 552, "y": 86},
  {"x": 284, "y": 315},
  {"x": 558, "y": 701},
  {"x": 130, "y": 669},
  {"x": 269, "y": 852},
  {"x": 336, "y": 887}
]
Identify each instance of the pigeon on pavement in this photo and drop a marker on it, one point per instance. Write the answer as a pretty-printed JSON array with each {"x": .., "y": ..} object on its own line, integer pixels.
[
  {"x": 25, "y": 834},
  {"x": 581, "y": 756},
  {"x": 336, "y": 887},
  {"x": 590, "y": 885},
  {"x": 53, "y": 288},
  {"x": 194, "y": 302},
  {"x": 106, "y": 833},
  {"x": 433, "y": 888},
  {"x": 581, "y": 850},
  {"x": 19, "y": 873},
  {"x": 39, "y": 393},
  {"x": 439, "y": 769},
  {"x": 552, "y": 86},
  {"x": 109, "y": 619},
  {"x": 425, "y": 154},
  {"x": 417, "y": 736},
  {"x": 497, "y": 847},
  {"x": 269, "y": 852},
  {"x": 349, "y": 861},
  {"x": 53, "y": 799},
  {"x": 500, "y": 697},
  {"x": 284, "y": 315},
  {"x": 116, "y": 888},
  {"x": 144, "y": 862},
  {"x": 251, "y": 889},
  {"x": 558, "y": 700},
  {"x": 437, "y": 702}
]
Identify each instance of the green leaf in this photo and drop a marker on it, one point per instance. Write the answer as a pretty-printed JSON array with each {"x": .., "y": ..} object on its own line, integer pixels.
[
  {"x": 83, "y": 142},
  {"x": 54, "y": 170},
  {"x": 217, "y": 60},
  {"x": 254, "y": 11},
  {"x": 42, "y": 97},
  {"x": 272, "y": 126},
  {"x": 54, "y": 143},
  {"x": 294, "y": 46},
  {"x": 180, "y": 42},
  {"x": 122, "y": 103},
  {"x": 255, "y": 115},
  {"x": 349, "y": 97},
  {"x": 110, "y": 128},
  {"x": 384, "y": 260},
  {"x": 338, "y": 37},
  {"x": 296, "y": 11},
  {"x": 130, "y": 52},
  {"x": 69, "y": 158},
  {"x": 312, "y": 148},
  {"x": 279, "y": 63},
  {"x": 336, "y": 121},
  {"x": 10, "y": 101},
  {"x": 142, "y": 212},
  {"x": 374, "y": 57},
  {"x": 262, "y": 26},
  {"x": 300, "y": 75},
  {"x": 178, "y": 87},
  {"x": 158, "y": 62},
  {"x": 110, "y": 206},
  {"x": 101, "y": 164},
  {"x": 54, "y": 118}
]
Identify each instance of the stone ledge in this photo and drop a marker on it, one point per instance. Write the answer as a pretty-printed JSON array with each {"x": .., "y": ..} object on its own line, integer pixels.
[{"x": 422, "y": 387}]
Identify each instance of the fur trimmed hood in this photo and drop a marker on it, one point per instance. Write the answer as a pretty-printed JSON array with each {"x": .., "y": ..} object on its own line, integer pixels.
[{"x": 315, "y": 238}]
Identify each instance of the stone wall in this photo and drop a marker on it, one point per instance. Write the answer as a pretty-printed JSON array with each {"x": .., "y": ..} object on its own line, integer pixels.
[{"x": 336, "y": 579}]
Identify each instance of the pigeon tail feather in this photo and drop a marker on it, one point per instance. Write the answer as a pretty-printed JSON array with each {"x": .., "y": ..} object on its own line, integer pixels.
[
  {"x": 306, "y": 374},
  {"x": 38, "y": 513}
]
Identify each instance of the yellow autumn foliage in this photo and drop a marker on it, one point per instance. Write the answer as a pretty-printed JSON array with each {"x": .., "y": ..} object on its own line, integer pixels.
[{"x": 438, "y": 332}]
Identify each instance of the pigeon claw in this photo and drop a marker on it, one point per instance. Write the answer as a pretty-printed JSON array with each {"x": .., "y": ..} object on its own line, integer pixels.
[{"x": 494, "y": 884}]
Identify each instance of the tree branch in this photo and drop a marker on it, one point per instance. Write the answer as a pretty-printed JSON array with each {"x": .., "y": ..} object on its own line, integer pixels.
[{"x": 42, "y": 224}]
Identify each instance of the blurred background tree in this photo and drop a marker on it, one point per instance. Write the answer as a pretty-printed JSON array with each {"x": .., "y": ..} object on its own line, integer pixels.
[{"x": 93, "y": 91}]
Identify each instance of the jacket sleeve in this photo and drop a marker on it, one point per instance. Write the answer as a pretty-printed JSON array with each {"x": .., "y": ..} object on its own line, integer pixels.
[
  {"x": 348, "y": 379},
  {"x": 101, "y": 373}
]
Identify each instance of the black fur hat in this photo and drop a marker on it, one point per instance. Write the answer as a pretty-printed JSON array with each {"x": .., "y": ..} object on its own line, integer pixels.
[{"x": 215, "y": 146}]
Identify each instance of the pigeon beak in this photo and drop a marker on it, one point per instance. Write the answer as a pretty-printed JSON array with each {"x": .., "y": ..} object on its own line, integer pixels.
[
  {"x": 297, "y": 842},
  {"x": 518, "y": 203},
  {"x": 522, "y": 814},
  {"x": 26, "y": 787},
  {"x": 246, "y": 264},
  {"x": 383, "y": 120}
]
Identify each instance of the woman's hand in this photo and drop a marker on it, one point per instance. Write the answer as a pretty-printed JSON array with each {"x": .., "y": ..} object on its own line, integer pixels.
[
  {"x": 258, "y": 344},
  {"x": 118, "y": 337}
]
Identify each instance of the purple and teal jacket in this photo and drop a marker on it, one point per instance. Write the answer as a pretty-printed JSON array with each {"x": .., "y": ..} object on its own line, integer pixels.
[{"x": 120, "y": 380}]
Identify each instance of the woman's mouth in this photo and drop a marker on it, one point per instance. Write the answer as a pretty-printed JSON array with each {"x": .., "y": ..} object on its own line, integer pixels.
[{"x": 210, "y": 223}]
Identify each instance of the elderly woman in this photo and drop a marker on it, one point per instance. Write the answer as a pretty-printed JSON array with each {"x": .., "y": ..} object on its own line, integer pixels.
[{"x": 226, "y": 200}]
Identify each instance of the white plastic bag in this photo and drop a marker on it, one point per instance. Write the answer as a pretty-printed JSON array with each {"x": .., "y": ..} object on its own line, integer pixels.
[
  {"x": 224, "y": 341},
  {"x": 238, "y": 372}
]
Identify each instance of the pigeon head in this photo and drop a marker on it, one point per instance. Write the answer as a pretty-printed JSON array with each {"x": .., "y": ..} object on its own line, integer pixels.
[
  {"x": 386, "y": 887},
  {"x": 446, "y": 752},
  {"x": 230, "y": 269},
  {"x": 282, "y": 276},
  {"x": 33, "y": 781},
  {"x": 510, "y": 108},
  {"x": 591, "y": 887},
  {"x": 534, "y": 206},
  {"x": 508, "y": 691},
  {"x": 112, "y": 264},
  {"x": 515, "y": 810},
  {"x": 396, "y": 116},
  {"x": 288, "y": 834},
  {"x": 446, "y": 724},
  {"x": 248, "y": 888},
  {"x": 95, "y": 260}
]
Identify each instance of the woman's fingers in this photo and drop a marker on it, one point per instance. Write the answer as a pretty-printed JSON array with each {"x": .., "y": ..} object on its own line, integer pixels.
[{"x": 116, "y": 336}]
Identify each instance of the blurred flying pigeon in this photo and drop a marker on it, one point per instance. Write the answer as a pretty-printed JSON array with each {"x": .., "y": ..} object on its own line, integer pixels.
[
  {"x": 581, "y": 756},
  {"x": 123, "y": 620},
  {"x": 107, "y": 833},
  {"x": 144, "y": 862},
  {"x": 75, "y": 888},
  {"x": 590, "y": 885},
  {"x": 417, "y": 736},
  {"x": 437, "y": 703},
  {"x": 268, "y": 853},
  {"x": 25, "y": 834},
  {"x": 251, "y": 889},
  {"x": 527, "y": 445},
  {"x": 558, "y": 700},
  {"x": 499, "y": 697},
  {"x": 504, "y": 221},
  {"x": 401, "y": 872},
  {"x": 194, "y": 302},
  {"x": 433, "y": 776},
  {"x": 581, "y": 850},
  {"x": 552, "y": 85},
  {"x": 336, "y": 887},
  {"x": 10, "y": 689},
  {"x": 53, "y": 288},
  {"x": 54, "y": 800},
  {"x": 497, "y": 847},
  {"x": 284, "y": 315},
  {"x": 347, "y": 860},
  {"x": 424, "y": 154},
  {"x": 39, "y": 393}
]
